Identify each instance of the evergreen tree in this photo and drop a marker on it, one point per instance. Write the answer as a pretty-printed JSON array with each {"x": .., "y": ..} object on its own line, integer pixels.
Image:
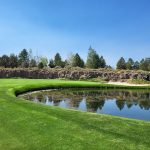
[
  {"x": 63, "y": 63},
  {"x": 129, "y": 64},
  {"x": 5, "y": 61},
  {"x": 77, "y": 61},
  {"x": 145, "y": 64},
  {"x": 51, "y": 63},
  {"x": 93, "y": 59},
  {"x": 142, "y": 64},
  {"x": 57, "y": 60},
  {"x": 24, "y": 58},
  {"x": 33, "y": 63},
  {"x": 121, "y": 64},
  {"x": 40, "y": 65},
  {"x": 108, "y": 67},
  {"x": 0, "y": 61},
  {"x": 82, "y": 64},
  {"x": 66, "y": 62},
  {"x": 102, "y": 62},
  {"x": 13, "y": 61},
  {"x": 136, "y": 65}
]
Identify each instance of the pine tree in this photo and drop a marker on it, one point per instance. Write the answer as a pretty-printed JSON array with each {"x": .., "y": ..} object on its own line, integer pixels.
[
  {"x": 33, "y": 63},
  {"x": 40, "y": 65},
  {"x": 13, "y": 61},
  {"x": 51, "y": 63},
  {"x": 121, "y": 64},
  {"x": 77, "y": 61},
  {"x": 129, "y": 64},
  {"x": 24, "y": 58},
  {"x": 0, "y": 61},
  {"x": 82, "y": 64},
  {"x": 5, "y": 61},
  {"x": 136, "y": 65},
  {"x": 102, "y": 62},
  {"x": 57, "y": 60},
  {"x": 93, "y": 59},
  {"x": 145, "y": 64}
]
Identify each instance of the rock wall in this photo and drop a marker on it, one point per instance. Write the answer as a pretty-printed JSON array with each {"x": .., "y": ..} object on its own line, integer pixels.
[{"x": 108, "y": 75}]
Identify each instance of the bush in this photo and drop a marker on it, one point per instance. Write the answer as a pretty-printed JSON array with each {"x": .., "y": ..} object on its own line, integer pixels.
[{"x": 40, "y": 65}]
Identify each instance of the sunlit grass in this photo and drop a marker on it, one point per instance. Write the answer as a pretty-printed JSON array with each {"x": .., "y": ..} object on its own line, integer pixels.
[{"x": 26, "y": 125}]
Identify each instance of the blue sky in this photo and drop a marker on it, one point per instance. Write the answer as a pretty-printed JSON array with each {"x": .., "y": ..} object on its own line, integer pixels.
[{"x": 114, "y": 28}]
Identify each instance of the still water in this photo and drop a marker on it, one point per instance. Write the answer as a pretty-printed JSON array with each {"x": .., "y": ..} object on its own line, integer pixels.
[{"x": 124, "y": 103}]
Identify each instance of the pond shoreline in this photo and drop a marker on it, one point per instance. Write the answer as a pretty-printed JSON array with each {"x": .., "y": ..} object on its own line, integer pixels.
[{"x": 74, "y": 84}]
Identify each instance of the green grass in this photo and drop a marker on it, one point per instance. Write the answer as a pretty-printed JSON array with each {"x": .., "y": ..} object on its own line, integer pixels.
[{"x": 25, "y": 125}]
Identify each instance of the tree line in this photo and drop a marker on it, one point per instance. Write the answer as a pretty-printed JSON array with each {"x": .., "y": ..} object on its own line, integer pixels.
[
  {"x": 130, "y": 64},
  {"x": 26, "y": 60}
]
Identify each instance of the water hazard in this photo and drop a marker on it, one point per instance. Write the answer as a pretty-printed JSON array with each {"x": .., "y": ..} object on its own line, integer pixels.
[{"x": 124, "y": 103}]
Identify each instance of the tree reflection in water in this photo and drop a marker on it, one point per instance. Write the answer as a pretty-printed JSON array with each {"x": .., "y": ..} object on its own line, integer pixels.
[{"x": 93, "y": 100}]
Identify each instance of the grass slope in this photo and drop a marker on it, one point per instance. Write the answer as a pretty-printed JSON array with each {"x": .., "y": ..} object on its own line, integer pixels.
[{"x": 25, "y": 125}]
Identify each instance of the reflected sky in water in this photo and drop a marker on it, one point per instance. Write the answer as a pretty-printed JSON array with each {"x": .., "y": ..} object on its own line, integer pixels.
[{"x": 124, "y": 103}]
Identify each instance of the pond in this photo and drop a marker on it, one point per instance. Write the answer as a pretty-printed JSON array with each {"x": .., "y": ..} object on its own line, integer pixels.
[{"x": 124, "y": 103}]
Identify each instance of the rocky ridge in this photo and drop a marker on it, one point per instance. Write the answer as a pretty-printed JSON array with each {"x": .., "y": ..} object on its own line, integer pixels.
[{"x": 74, "y": 73}]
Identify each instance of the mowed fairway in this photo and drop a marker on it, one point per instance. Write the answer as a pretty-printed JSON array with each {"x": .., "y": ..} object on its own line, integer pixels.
[{"x": 25, "y": 125}]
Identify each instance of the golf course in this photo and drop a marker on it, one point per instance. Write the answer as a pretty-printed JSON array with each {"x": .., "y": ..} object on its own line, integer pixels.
[{"x": 25, "y": 125}]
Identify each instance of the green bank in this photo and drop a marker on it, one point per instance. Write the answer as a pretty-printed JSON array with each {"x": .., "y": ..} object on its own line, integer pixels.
[{"x": 30, "y": 126}]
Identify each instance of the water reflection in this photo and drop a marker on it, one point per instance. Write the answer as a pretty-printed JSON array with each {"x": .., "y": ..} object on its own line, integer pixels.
[
  {"x": 82, "y": 105},
  {"x": 126, "y": 103}
]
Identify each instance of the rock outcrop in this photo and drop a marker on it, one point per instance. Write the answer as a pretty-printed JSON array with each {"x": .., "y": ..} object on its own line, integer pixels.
[{"x": 113, "y": 75}]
